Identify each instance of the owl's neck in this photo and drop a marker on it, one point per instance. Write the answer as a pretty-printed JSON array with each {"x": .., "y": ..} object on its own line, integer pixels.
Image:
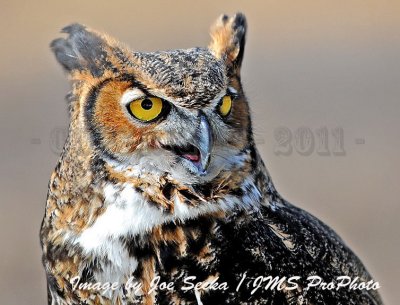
[{"x": 246, "y": 186}]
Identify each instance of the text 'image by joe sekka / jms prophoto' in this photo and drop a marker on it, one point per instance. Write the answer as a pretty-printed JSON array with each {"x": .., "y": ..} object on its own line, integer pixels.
[{"x": 205, "y": 153}]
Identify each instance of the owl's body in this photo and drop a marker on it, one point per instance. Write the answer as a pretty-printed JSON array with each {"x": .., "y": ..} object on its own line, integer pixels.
[{"x": 160, "y": 180}]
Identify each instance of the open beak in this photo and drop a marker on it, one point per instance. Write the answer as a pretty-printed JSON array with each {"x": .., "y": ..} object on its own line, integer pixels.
[{"x": 198, "y": 150}]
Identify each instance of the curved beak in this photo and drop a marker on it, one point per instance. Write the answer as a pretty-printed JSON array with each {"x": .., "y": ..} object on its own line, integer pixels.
[
  {"x": 198, "y": 150},
  {"x": 203, "y": 140}
]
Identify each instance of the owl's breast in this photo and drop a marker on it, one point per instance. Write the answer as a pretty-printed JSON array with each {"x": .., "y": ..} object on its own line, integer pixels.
[
  {"x": 128, "y": 213},
  {"x": 127, "y": 221}
]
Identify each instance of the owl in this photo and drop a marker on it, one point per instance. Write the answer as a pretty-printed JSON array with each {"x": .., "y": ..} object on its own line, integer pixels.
[{"x": 160, "y": 195}]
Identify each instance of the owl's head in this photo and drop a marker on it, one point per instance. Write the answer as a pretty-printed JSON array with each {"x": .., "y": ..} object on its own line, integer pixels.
[{"x": 181, "y": 112}]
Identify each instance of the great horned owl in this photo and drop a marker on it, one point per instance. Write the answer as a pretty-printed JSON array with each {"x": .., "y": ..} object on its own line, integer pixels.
[{"x": 160, "y": 182}]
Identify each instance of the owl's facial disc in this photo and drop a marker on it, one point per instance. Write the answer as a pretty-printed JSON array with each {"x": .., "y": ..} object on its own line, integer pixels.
[{"x": 198, "y": 151}]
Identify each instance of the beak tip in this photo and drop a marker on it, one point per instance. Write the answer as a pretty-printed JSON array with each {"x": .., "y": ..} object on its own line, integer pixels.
[{"x": 204, "y": 164}]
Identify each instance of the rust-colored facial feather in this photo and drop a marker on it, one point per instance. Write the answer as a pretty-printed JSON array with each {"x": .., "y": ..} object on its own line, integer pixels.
[
  {"x": 119, "y": 133},
  {"x": 239, "y": 118}
]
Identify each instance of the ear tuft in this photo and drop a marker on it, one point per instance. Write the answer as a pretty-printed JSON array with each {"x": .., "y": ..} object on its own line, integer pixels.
[
  {"x": 73, "y": 28},
  {"x": 228, "y": 36},
  {"x": 81, "y": 50}
]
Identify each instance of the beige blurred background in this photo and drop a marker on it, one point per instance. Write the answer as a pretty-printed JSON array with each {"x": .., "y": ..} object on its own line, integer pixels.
[{"x": 314, "y": 64}]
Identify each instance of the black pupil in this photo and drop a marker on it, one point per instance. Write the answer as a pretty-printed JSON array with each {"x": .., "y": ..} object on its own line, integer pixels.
[{"x": 147, "y": 104}]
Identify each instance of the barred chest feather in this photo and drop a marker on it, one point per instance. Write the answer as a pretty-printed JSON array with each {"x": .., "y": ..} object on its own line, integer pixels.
[
  {"x": 134, "y": 238},
  {"x": 129, "y": 214}
]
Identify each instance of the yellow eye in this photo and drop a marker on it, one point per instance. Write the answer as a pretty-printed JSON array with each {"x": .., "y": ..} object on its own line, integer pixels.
[
  {"x": 225, "y": 106},
  {"x": 146, "y": 109}
]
